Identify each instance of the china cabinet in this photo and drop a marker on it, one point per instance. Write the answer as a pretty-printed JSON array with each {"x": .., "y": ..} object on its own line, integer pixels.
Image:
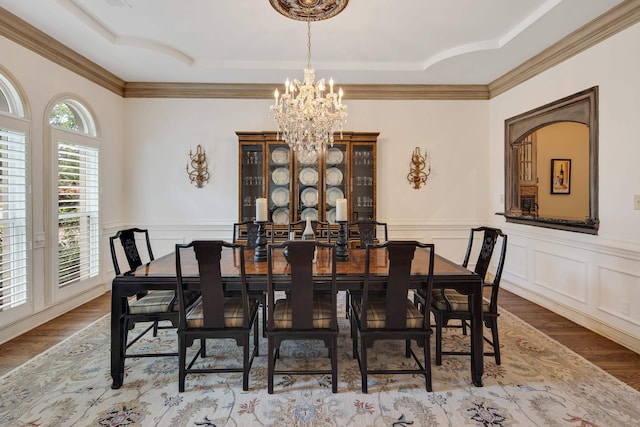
[{"x": 301, "y": 185}]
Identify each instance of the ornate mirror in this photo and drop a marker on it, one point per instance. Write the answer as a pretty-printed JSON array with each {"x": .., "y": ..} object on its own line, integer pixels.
[{"x": 551, "y": 165}]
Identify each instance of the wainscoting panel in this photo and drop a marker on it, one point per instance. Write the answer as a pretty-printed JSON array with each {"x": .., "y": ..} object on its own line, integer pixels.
[
  {"x": 587, "y": 279},
  {"x": 619, "y": 294},
  {"x": 561, "y": 274}
]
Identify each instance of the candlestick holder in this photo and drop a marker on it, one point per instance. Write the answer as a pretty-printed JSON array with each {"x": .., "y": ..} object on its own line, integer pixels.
[
  {"x": 342, "y": 251},
  {"x": 261, "y": 243}
]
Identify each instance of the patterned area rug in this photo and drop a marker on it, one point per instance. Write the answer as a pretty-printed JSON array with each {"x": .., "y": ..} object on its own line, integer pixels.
[{"x": 540, "y": 383}]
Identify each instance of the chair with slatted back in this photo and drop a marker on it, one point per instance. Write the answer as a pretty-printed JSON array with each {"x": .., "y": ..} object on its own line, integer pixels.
[
  {"x": 153, "y": 306},
  {"x": 383, "y": 311},
  {"x": 321, "y": 229},
  {"x": 216, "y": 314},
  {"x": 309, "y": 310},
  {"x": 449, "y": 304}
]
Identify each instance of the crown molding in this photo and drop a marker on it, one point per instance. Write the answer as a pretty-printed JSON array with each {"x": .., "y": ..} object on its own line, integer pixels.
[
  {"x": 26, "y": 35},
  {"x": 265, "y": 91},
  {"x": 617, "y": 19},
  {"x": 612, "y": 22}
]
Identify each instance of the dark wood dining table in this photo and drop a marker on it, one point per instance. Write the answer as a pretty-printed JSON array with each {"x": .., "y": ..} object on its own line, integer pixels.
[{"x": 161, "y": 274}]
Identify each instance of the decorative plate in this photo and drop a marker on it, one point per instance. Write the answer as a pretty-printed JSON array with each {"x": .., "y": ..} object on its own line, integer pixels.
[
  {"x": 334, "y": 176},
  {"x": 280, "y": 216},
  {"x": 280, "y": 156},
  {"x": 331, "y": 216},
  {"x": 309, "y": 197},
  {"x": 333, "y": 194},
  {"x": 306, "y": 157},
  {"x": 280, "y": 196},
  {"x": 334, "y": 156},
  {"x": 309, "y": 176},
  {"x": 280, "y": 176},
  {"x": 310, "y": 213}
]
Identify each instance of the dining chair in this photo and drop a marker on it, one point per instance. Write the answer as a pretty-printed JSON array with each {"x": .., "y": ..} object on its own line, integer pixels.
[
  {"x": 321, "y": 229},
  {"x": 390, "y": 314},
  {"x": 449, "y": 304},
  {"x": 152, "y": 306},
  {"x": 367, "y": 231},
  {"x": 309, "y": 309},
  {"x": 246, "y": 232},
  {"x": 214, "y": 315}
]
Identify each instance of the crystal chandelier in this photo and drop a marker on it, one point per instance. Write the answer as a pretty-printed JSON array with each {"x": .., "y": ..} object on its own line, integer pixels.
[{"x": 306, "y": 113}]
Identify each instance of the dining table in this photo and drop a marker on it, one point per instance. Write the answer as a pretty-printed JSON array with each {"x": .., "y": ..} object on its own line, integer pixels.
[{"x": 160, "y": 274}]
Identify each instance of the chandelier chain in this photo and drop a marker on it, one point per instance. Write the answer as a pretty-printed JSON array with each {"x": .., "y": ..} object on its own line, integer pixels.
[
  {"x": 308, "y": 41},
  {"x": 307, "y": 114}
]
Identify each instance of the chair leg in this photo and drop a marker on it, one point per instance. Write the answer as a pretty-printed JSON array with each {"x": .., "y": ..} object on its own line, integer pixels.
[
  {"x": 354, "y": 337},
  {"x": 334, "y": 364},
  {"x": 182, "y": 363},
  {"x": 427, "y": 364},
  {"x": 256, "y": 343},
  {"x": 439, "y": 322},
  {"x": 407, "y": 348},
  {"x": 270, "y": 365},
  {"x": 464, "y": 327},
  {"x": 203, "y": 347},
  {"x": 155, "y": 329},
  {"x": 245, "y": 363},
  {"x": 363, "y": 364},
  {"x": 347, "y": 300},
  {"x": 496, "y": 341}
]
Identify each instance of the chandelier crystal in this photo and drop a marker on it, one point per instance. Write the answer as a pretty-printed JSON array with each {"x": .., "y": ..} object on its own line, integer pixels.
[{"x": 307, "y": 114}]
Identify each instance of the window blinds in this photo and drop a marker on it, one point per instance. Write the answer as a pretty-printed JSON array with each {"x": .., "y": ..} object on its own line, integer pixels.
[
  {"x": 78, "y": 228},
  {"x": 13, "y": 219}
]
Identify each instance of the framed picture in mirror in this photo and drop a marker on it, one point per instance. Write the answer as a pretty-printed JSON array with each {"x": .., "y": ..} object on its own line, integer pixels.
[{"x": 560, "y": 176}]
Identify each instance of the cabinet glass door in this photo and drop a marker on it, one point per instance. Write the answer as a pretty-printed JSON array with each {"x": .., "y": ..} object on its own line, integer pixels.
[
  {"x": 279, "y": 183},
  {"x": 307, "y": 180},
  {"x": 251, "y": 185},
  {"x": 363, "y": 185},
  {"x": 335, "y": 179}
]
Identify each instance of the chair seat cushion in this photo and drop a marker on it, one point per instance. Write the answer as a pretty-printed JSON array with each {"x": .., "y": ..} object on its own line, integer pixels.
[
  {"x": 282, "y": 315},
  {"x": 376, "y": 314},
  {"x": 153, "y": 302},
  {"x": 459, "y": 302},
  {"x": 233, "y": 316}
]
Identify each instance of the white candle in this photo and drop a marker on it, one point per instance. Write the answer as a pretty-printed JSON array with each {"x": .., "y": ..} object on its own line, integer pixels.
[
  {"x": 341, "y": 210},
  {"x": 261, "y": 210}
]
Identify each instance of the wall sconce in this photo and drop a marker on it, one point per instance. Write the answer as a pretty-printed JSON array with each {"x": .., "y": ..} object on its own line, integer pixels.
[
  {"x": 199, "y": 173},
  {"x": 417, "y": 176}
]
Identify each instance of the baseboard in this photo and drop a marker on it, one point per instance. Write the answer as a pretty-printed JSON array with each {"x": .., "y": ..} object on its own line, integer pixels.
[
  {"x": 36, "y": 319},
  {"x": 593, "y": 324}
]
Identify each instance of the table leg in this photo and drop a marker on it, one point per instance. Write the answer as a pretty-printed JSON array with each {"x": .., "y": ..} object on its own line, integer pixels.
[
  {"x": 117, "y": 334},
  {"x": 477, "y": 346}
]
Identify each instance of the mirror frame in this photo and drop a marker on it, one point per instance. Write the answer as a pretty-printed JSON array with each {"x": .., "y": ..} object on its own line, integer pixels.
[{"x": 581, "y": 107}]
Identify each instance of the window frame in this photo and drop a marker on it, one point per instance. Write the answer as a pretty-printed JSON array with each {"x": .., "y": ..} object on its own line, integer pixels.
[{"x": 87, "y": 136}]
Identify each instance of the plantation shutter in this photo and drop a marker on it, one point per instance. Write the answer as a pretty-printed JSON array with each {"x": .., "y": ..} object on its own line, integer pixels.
[
  {"x": 78, "y": 228},
  {"x": 13, "y": 219}
]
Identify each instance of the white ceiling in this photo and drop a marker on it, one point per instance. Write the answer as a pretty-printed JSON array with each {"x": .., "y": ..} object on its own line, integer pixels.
[{"x": 247, "y": 41}]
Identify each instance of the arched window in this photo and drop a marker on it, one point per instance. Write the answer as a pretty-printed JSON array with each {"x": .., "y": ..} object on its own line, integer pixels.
[
  {"x": 14, "y": 289},
  {"x": 74, "y": 136}
]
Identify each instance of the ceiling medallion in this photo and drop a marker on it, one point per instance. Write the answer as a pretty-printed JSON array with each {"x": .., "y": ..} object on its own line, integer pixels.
[{"x": 314, "y": 10}]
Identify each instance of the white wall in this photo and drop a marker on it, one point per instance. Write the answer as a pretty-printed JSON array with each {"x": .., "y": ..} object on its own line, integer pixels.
[
  {"x": 160, "y": 133},
  {"x": 593, "y": 280},
  {"x": 41, "y": 81}
]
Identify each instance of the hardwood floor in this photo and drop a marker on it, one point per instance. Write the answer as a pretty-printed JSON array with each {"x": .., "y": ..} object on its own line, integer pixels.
[{"x": 620, "y": 362}]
